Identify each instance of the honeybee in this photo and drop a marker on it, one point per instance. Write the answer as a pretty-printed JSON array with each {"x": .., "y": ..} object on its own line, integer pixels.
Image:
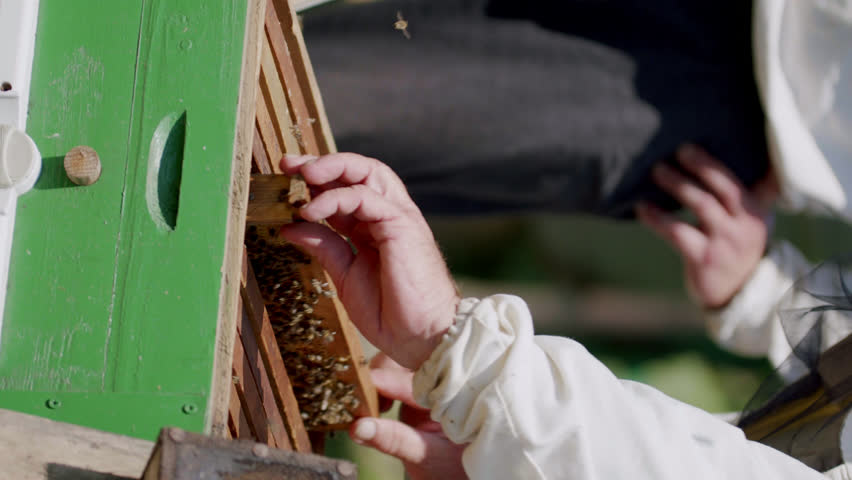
[{"x": 402, "y": 25}]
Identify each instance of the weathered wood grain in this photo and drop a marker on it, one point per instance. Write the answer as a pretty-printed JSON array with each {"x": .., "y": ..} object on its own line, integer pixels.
[
  {"x": 260, "y": 374},
  {"x": 258, "y": 153},
  {"x": 271, "y": 142},
  {"x": 244, "y": 139},
  {"x": 34, "y": 448},
  {"x": 250, "y": 398}
]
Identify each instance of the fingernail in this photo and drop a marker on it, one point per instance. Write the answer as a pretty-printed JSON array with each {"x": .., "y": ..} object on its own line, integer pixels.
[{"x": 365, "y": 430}]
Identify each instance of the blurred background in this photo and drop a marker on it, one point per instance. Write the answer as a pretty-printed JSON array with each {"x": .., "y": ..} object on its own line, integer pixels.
[{"x": 585, "y": 268}]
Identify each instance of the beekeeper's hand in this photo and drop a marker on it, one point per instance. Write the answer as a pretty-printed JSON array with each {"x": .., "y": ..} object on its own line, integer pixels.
[
  {"x": 415, "y": 439},
  {"x": 394, "y": 283},
  {"x": 723, "y": 249}
]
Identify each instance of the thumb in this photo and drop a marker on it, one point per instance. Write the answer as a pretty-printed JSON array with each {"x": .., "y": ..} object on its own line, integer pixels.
[{"x": 401, "y": 441}]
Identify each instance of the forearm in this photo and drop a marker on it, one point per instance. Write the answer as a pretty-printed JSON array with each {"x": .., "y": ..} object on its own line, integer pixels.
[{"x": 543, "y": 407}]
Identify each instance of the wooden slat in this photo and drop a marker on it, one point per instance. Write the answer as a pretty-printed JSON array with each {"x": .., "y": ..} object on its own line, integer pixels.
[
  {"x": 271, "y": 143},
  {"x": 237, "y": 422},
  {"x": 276, "y": 100},
  {"x": 259, "y": 372},
  {"x": 273, "y": 199},
  {"x": 258, "y": 153},
  {"x": 250, "y": 399},
  {"x": 287, "y": 70},
  {"x": 305, "y": 73},
  {"x": 217, "y": 418},
  {"x": 346, "y": 343},
  {"x": 274, "y": 363}
]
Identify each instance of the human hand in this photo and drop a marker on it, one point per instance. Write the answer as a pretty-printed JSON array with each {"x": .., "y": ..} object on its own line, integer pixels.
[
  {"x": 396, "y": 286},
  {"x": 720, "y": 253},
  {"x": 416, "y": 439}
]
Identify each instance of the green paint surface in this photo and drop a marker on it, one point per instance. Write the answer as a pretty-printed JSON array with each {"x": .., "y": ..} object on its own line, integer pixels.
[{"x": 114, "y": 289}]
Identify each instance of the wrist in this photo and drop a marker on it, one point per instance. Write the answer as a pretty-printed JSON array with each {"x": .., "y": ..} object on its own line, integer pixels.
[{"x": 437, "y": 334}]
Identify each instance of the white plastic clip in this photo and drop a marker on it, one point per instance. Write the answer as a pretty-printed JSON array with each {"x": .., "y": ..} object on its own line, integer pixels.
[
  {"x": 20, "y": 165},
  {"x": 18, "y": 20}
]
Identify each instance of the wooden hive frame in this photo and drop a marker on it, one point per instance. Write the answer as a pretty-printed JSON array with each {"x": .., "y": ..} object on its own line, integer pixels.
[{"x": 280, "y": 112}]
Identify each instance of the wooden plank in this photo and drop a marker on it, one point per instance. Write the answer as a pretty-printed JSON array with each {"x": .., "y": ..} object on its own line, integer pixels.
[
  {"x": 258, "y": 154},
  {"x": 270, "y": 201},
  {"x": 127, "y": 79},
  {"x": 346, "y": 344},
  {"x": 237, "y": 422},
  {"x": 222, "y": 384},
  {"x": 261, "y": 378},
  {"x": 182, "y": 455},
  {"x": 274, "y": 363},
  {"x": 81, "y": 94},
  {"x": 305, "y": 73},
  {"x": 303, "y": 125},
  {"x": 271, "y": 143},
  {"x": 276, "y": 101},
  {"x": 35, "y": 448},
  {"x": 250, "y": 398}
]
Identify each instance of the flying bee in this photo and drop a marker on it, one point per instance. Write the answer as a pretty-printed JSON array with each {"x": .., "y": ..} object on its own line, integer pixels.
[{"x": 402, "y": 25}]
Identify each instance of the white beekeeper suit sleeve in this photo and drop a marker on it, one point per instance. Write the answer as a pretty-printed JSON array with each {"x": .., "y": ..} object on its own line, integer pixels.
[
  {"x": 538, "y": 407},
  {"x": 749, "y": 324}
]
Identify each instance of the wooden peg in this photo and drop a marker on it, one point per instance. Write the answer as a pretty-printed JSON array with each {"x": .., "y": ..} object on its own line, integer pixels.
[{"x": 82, "y": 165}]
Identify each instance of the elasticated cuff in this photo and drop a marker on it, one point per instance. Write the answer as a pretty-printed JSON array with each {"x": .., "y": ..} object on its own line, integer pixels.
[{"x": 426, "y": 377}]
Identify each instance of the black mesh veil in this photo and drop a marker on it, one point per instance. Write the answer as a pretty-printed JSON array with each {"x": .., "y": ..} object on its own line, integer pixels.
[{"x": 802, "y": 409}]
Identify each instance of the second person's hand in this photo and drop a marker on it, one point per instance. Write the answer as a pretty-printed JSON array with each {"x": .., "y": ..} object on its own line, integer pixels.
[{"x": 723, "y": 249}]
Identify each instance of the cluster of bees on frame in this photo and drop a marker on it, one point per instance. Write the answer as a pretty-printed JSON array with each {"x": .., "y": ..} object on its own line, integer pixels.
[{"x": 324, "y": 399}]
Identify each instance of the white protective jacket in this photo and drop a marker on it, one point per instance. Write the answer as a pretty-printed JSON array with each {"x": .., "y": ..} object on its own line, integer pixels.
[
  {"x": 540, "y": 407},
  {"x": 803, "y": 66}
]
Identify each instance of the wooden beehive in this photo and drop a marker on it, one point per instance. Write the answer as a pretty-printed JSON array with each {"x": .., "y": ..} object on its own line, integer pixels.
[
  {"x": 297, "y": 359},
  {"x": 149, "y": 312}
]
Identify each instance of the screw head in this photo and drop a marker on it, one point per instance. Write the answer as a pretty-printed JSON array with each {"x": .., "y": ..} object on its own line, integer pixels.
[
  {"x": 260, "y": 450},
  {"x": 189, "y": 408},
  {"x": 53, "y": 403}
]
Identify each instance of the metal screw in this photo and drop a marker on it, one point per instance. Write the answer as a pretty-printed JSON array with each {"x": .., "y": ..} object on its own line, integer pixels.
[
  {"x": 346, "y": 469},
  {"x": 53, "y": 403},
  {"x": 189, "y": 408},
  {"x": 260, "y": 450},
  {"x": 177, "y": 435}
]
